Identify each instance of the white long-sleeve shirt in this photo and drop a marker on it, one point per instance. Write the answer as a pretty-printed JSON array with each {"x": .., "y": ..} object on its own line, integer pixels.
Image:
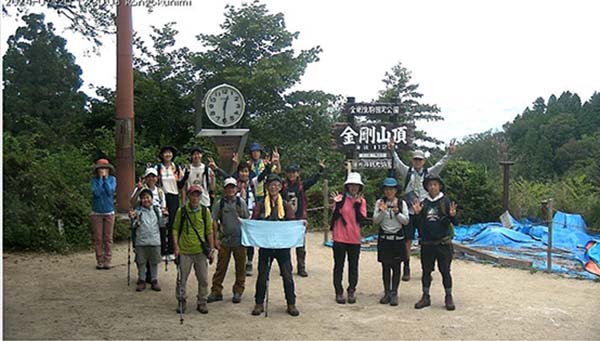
[{"x": 390, "y": 222}]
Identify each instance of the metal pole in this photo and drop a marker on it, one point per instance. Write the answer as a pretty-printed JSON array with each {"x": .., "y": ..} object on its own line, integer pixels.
[
  {"x": 124, "y": 117},
  {"x": 506, "y": 171},
  {"x": 325, "y": 211},
  {"x": 550, "y": 216}
]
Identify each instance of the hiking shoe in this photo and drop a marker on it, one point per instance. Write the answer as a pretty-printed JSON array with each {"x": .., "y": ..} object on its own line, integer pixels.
[
  {"x": 237, "y": 298},
  {"x": 181, "y": 307},
  {"x": 107, "y": 266},
  {"x": 202, "y": 308},
  {"x": 394, "y": 298},
  {"x": 340, "y": 299},
  {"x": 99, "y": 266},
  {"x": 351, "y": 296},
  {"x": 141, "y": 285},
  {"x": 386, "y": 298},
  {"x": 406, "y": 274},
  {"x": 248, "y": 269},
  {"x": 214, "y": 298},
  {"x": 154, "y": 285},
  {"x": 302, "y": 273},
  {"x": 425, "y": 301},
  {"x": 292, "y": 310},
  {"x": 449, "y": 302},
  {"x": 258, "y": 309}
]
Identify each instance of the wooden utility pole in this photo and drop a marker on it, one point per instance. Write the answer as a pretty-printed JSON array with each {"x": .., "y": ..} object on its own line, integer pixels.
[
  {"x": 506, "y": 171},
  {"x": 124, "y": 117},
  {"x": 549, "y": 251}
]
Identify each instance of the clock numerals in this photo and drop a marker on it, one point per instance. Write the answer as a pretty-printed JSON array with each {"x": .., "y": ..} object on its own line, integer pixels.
[
  {"x": 212, "y": 113},
  {"x": 224, "y": 120},
  {"x": 238, "y": 106},
  {"x": 236, "y": 98},
  {"x": 211, "y": 106}
]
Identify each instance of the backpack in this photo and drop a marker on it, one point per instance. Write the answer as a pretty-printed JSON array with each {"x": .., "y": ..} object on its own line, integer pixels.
[
  {"x": 205, "y": 249},
  {"x": 409, "y": 174},
  {"x": 238, "y": 205},
  {"x": 159, "y": 168}
]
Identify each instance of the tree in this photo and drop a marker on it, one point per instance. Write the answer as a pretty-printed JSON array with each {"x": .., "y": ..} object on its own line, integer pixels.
[
  {"x": 164, "y": 81},
  {"x": 41, "y": 83},
  {"x": 398, "y": 89},
  {"x": 90, "y": 19},
  {"x": 254, "y": 53}
]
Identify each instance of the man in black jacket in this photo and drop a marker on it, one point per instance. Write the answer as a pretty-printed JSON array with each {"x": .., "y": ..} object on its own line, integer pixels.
[{"x": 435, "y": 217}]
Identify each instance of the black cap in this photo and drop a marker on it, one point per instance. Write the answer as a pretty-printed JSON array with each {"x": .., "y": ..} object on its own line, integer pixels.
[
  {"x": 294, "y": 167},
  {"x": 273, "y": 177},
  {"x": 197, "y": 149},
  {"x": 432, "y": 177},
  {"x": 165, "y": 148},
  {"x": 145, "y": 191}
]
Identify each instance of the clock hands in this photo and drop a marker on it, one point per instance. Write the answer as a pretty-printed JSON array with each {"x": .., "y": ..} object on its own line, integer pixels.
[{"x": 225, "y": 105}]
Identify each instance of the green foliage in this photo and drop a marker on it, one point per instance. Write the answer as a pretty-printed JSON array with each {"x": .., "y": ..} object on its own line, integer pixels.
[
  {"x": 42, "y": 189},
  {"x": 576, "y": 194},
  {"x": 477, "y": 194},
  {"x": 41, "y": 84},
  {"x": 253, "y": 53},
  {"x": 398, "y": 90}
]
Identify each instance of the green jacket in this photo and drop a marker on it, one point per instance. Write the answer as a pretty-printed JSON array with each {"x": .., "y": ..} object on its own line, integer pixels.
[{"x": 188, "y": 239}]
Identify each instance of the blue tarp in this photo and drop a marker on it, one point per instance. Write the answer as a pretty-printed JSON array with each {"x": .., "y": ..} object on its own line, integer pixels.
[{"x": 528, "y": 240}]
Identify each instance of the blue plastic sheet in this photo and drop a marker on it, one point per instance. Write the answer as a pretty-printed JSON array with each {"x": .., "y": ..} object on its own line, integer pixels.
[{"x": 527, "y": 240}]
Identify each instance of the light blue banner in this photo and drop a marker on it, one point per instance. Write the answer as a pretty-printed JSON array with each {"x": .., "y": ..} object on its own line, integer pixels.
[{"x": 273, "y": 234}]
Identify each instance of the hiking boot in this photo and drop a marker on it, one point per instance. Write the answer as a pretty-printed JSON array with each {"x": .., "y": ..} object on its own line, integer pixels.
[
  {"x": 351, "y": 296},
  {"x": 181, "y": 307},
  {"x": 449, "y": 303},
  {"x": 202, "y": 308},
  {"x": 406, "y": 274},
  {"x": 154, "y": 285},
  {"x": 248, "y": 269},
  {"x": 386, "y": 298},
  {"x": 394, "y": 298},
  {"x": 302, "y": 273},
  {"x": 340, "y": 299},
  {"x": 99, "y": 266},
  {"x": 107, "y": 266},
  {"x": 141, "y": 285},
  {"x": 214, "y": 298},
  {"x": 292, "y": 310},
  {"x": 237, "y": 298},
  {"x": 425, "y": 301},
  {"x": 258, "y": 309}
]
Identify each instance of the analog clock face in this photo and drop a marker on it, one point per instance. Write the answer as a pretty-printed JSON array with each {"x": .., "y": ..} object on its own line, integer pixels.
[{"x": 224, "y": 105}]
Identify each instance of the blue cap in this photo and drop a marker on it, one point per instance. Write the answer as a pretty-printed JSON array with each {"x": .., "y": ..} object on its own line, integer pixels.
[
  {"x": 255, "y": 147},
  {"x": 390, "y": 182}
]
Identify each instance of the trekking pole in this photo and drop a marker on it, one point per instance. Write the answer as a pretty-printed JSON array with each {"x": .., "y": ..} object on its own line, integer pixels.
[
  {"x": 129, "y": 241},
  {"x": 180, "y": 304},
  {"x": 270, "y": 261}
]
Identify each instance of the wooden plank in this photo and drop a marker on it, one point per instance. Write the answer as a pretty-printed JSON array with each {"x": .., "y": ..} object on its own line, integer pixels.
[{"x": 460, "y": 248}]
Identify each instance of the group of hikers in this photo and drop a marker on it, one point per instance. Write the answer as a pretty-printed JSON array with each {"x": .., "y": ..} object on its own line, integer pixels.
[{"x": 191, "y": 234}]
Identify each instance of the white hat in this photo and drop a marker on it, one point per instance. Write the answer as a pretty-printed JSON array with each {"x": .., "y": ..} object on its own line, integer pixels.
[
  {"x": 150, "y": 170},
  {"x": 419, "y": 154},
  {"x": 354, "y": 178},
  {"x": 230, "y": 181}
]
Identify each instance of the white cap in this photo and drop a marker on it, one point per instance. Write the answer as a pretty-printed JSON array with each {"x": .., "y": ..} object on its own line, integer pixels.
[
  {"x": 150, "y": 170},
  {"x": 354, "y": 178},
  {"x": 230, "y": 181},
  {"x": 419, "y": 154}
]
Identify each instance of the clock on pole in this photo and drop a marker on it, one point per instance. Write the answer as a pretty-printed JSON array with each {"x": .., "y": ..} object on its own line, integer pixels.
[{"x": 224, "y": 106}]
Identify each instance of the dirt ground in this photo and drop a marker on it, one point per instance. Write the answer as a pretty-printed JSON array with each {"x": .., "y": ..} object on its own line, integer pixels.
[{"x": 65, "y": 297}]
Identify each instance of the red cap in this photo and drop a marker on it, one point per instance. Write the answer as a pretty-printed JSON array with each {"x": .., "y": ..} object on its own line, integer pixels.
[{"x": 193, "y": 189}]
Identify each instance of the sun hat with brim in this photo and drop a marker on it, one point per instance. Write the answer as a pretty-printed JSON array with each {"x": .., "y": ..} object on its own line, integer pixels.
[
  {"x": 353, "y": 178},
  {"x": 193, "y": 189},
  {"x": 103, "y": 163},
  {"x": 389, "y": 182},
  {"x": 230, "y": 182},
  {"x": 273, "y": 177},
  {"x": 145, "y": 191},
  {"x": 432, "y": 177},
  {"x": 419, "y": 154},
  {"x": 150, "y": 171},
  {"x": 165, "y": 148},
  {"x": 255, "y": 147}
]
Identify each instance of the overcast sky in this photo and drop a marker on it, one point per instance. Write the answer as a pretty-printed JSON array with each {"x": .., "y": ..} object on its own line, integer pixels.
[{"x": 481, "y": 62}]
